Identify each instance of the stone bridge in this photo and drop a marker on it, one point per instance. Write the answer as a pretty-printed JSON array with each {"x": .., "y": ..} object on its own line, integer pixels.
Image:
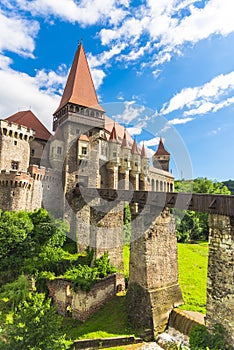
[{"x": 153, "y": 289}]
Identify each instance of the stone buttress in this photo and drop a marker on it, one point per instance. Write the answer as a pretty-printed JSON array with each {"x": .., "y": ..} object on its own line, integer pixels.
[{"x": 153, "y": 289}]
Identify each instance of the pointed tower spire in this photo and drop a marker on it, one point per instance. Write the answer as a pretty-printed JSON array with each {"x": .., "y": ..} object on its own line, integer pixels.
[
  {"x": 161, "y": 157},
  {"x": 143, "y": 151},
  {"x": 134, "y": 148},
  {"x": 79, "y": 88},
  {"x": 124, "y": 142},
  {"x": 113, "y": 135},
  {"x": 161, "y": 149}
]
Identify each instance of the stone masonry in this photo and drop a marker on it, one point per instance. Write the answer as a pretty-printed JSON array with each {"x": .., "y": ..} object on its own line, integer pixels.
[
  {"x": 220, "y": 287},
  {"x": 153, "y": 282}
]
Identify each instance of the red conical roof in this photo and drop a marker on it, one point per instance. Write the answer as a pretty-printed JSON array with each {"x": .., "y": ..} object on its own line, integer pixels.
[
  {"x": 124, "y": 141},
  {"x": 79, "y": 88},
  {"x": 113, "y": 135},
  {"x": 161, "y": 150},
  {"x": 143, "y": 151},
  {"x": 134, "y": 148},
  {"x": 28, "y": 119}
]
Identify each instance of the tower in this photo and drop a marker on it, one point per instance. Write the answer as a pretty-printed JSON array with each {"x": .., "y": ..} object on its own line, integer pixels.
[
  {"x": 79, "y": 103},
  {"x": 79, "y": 113},
  {"x": 161, "y": 158}
]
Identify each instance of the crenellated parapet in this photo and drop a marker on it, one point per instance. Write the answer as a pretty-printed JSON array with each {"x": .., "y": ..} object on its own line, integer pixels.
[
  {"x": 15, "y": 179},
  {"x": 37, "y": 173},
  {"x": 16, "y": 131}
]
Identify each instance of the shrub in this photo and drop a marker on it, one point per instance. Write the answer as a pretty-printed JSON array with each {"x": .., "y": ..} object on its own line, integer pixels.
[{"x": 202, "y": 339}]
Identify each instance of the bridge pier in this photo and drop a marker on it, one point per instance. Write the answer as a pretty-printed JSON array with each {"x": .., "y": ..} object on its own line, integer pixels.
[
  {"x": 106, "y": 232},
  {"x": 153, "y": 289},
  {"x": 220, "y": 285}
]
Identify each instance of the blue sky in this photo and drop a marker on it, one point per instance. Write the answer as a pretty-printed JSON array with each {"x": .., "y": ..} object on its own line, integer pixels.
[{"x": 162, "y": 68}]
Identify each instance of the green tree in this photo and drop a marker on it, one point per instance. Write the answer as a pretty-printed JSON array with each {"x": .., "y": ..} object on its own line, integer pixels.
[
  {"x": 15, "y": 292},
  {"x": 35, "y": 326},
  {"x": 192, "y": 225}
]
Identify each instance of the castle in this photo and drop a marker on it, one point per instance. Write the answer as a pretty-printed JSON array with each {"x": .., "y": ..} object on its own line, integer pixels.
[{"x": 38, "y": 169}]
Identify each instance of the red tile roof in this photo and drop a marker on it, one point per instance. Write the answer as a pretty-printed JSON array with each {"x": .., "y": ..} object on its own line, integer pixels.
[
  {"x": 124, "y": 141},
  {"x": 135, "y": 148},
  {"x": 109, "y": 124},
  {"x": 143, "y": 152},
  {"x": 161, "y": 150},
  {"x": 28, "y": 119},
  {"x": 83, "y": 137},
  {"x": 79, "y": 88},
  {"x": 113, "y": 135}
]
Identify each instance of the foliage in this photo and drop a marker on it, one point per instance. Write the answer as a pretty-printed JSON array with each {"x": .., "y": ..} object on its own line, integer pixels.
[
  {"x": 192, "y": 226},
  {"x": 201, "y": 185},
  {"x": 202, "y": 339},
  {"x": 81, "y": 276},
  {"x": 35, "y": 326},
  {"x": 127, "y": 224},
  {"x": 14, "y": 229},
  {"x": 103, "y": 266},
  {"x": 230, "y": 185},
  {"x": 26, "y": 238},
  {"x": 84, "y": 276},
  {"x": 15, "y": 292},
  {"x": 193, "y": 262}
]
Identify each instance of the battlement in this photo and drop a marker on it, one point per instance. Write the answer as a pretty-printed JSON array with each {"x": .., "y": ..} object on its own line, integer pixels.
[
  {"x": 37, "y": 172},
  {"x": 14, "y": 179},
  {"x": 17, "y": 131}
]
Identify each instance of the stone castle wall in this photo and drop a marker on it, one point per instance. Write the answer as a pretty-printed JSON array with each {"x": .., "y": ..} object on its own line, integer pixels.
[
  {"x": 220, "y": 292},
  {"x": 84, "y": 303}
]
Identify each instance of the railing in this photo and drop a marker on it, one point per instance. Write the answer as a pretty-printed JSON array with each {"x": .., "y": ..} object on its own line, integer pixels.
[{"x": 206, "y": 203}]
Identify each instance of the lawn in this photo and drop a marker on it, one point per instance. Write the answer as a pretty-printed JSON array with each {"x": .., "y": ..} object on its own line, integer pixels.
[
  {"x": 111, "y": 320},
  {"x": 193, "y": 262}
]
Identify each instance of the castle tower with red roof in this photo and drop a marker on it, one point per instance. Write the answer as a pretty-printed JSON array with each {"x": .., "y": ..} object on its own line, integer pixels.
[{"x": 161, "y": 158}]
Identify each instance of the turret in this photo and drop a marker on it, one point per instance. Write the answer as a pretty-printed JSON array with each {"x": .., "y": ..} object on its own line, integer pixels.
[
  {"x": 83, "y": 148},
  {"x": 144, "y": 161},
  {"x": 114, "y": 148},
  {"x": 135, "y": 159},
  {"x": 14, "y": 146},
  {"x": 125, "y": 154},
  {"x": 161, "y": 158},
  {"x": 56, "y": 156}
]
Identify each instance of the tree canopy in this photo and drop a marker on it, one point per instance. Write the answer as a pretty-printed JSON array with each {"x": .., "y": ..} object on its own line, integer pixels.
[{"x": 192, "y": 225}]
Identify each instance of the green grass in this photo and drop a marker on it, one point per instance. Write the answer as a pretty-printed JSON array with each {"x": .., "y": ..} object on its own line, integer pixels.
[
  {"x": 126, "y": 257},
  {"x": 193, "y": 262},
  {"x": 111, "y": 319}
]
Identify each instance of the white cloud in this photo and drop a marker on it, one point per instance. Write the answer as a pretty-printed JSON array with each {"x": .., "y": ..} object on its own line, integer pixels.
[
  {"x": 177, "y": 121},
  {"x": 17, "y": 34},
  {"x": 21, "y": 91},
  {"x": 211, "y": 96},
  {"x": 137, "y": 129},
  {"x": 130, "y": 112},
  {"x": 152, "y": 142},
  {"x": 167, "y": 26},
  {"x": 84, "y": 12}
]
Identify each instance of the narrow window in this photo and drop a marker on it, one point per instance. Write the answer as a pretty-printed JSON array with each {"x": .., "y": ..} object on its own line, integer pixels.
[
  {"x": 14, "y": 165},
  {"x": 59, "y": 150},
  {"x": 32, "y": 152},
  {"x": 15, "y": 143},
  {"x": 84, "y": 150}
]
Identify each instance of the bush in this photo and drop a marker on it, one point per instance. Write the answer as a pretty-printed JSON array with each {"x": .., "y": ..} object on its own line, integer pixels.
[{"x": 202, "y": 339}]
